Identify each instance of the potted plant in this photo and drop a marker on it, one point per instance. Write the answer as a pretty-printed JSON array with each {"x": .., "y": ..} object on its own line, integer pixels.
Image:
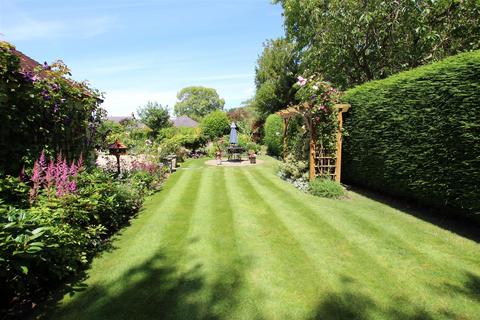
[
  {"x": 218, "y": 157},
  {"x": 252, "y": 156}
]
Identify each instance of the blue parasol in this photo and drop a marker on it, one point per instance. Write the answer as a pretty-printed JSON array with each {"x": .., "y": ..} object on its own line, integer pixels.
[{"x": 233, "y": 134}]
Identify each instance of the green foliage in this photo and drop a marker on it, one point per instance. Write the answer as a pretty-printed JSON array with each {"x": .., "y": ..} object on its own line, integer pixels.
[
  {"x": 351, "y": 42},
  {"x": 319, "y": 98},
  {"x": 155, "y": 116},
  {"x": 244, "y": 117},
  {"x": 417, "y": 134},
  {"x": 43, "y": 109},
  {"x": 274, "y": 135},
  {"x": 42, "y": 245},
  {"x": 326, "y": 188},
  {"x": 274, "y": 76},
  {"x": 215, "y": 125},
  {"x": 107, "y": 132},
  {"x": 13, "y": 192},
  {"x": 297, "y": 138},
  {"x": 197, "y": 102},
  {"x": 293, "y": 169},
  {"x": 177, "y": 140},
  {"x": 245, "y": 141}
]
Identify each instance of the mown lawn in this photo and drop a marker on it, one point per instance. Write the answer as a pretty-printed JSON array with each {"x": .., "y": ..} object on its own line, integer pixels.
[{"x": 239, "y": 243}]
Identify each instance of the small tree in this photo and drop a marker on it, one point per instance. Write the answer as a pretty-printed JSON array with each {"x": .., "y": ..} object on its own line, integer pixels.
[
  {"x": 155, "y": 116},
  {"x": 273, "y": 135},
  {"x": 215, "y": 125}
]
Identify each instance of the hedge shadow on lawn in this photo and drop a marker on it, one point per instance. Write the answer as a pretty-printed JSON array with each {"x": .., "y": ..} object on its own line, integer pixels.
[
  {"x": 350, "y": 304},
  {"x": 155, "y": 289},
  {"x": 457, "y": 224},
  {"x": 470, "y": 288}
]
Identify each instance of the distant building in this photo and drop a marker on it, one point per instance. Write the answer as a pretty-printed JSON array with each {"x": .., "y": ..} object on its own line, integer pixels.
[
  {"x": 120, "y": 119},
  {"x": 123, "y": 119},
  {"x": 184, "y": 122}
]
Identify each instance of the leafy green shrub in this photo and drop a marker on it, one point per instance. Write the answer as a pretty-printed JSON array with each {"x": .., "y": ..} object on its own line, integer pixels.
[
  {"x": 417, "y": 134},
  {"x": 326, "y": 188},
  {"x": 292, "y": 168},
  {"x": 274, "y": 135},
  {"x": 38, "y": 250},
  {"x": 14, "y": 192},
  {"x": 43, "y": 107},
  {"x": 215, "y": 124},
  {"x": 56, "y": 237},
  {"x": 297, "y": 138},
  {"x": 245, "y": 141},
  {"x": 176, "y": 140}
]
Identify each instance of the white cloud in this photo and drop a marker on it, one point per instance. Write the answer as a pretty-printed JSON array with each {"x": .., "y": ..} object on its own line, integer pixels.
[
  {"x": 225, "y": 77},
  {"x": 21, "y": 27},
  {"x": 124, "y": 102}
]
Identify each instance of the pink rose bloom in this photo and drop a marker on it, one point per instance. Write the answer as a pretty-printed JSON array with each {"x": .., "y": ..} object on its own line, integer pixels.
[{"x": 301, "y": 81}]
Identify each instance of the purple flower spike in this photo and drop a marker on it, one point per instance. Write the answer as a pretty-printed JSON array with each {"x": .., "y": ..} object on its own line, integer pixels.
[{"x": 55, "y": 108}]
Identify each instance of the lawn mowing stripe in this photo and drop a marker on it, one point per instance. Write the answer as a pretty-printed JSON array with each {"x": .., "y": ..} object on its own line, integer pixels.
[
  {"x": 282, "y": 274},
  {"x": 162, "y": 282},
  {"x": 327, "y": 246},
  {"x": 426, "y": 237},
  {"x": 389, "y": 236},
  {"x": 410, "y": 269},
  {"x": 133, "y": 248},
  {"x": 383, "y": 234},
  {"x": 228, "y": 283},
  {"x": 175, "y": 233},
  {"x": 368, "y": 262}
]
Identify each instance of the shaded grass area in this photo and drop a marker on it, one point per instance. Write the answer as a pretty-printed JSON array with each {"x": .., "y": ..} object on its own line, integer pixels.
[{"x": 239, "y": 243}]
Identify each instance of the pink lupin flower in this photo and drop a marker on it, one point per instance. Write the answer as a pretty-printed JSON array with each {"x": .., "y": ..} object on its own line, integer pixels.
[
  {"x": 59, "y": 157},
  {"x": 50, "y": 174},
  {"x": 36, "y": 179},
  {"x": 73, "y": 169},
  {"x": 42, "y": 161},
  {"x": 36, "y": 173},
  {"x": 72, "y": 186},
  {"x": 80, "y": 162}
]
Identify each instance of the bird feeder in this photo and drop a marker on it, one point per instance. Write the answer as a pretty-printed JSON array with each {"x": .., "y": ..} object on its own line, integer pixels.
[{"x": 117, "y": 149}]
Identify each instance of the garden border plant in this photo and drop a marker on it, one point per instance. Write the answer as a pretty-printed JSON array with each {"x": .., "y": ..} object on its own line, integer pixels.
[{"x": 56, "y": 217}]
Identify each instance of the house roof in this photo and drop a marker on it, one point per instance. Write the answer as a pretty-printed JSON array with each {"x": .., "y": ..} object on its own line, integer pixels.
[
  {"x": 184, "y": 121},
  {"x": 27, "y": 64},
  {"x": 119, "y": 119}
]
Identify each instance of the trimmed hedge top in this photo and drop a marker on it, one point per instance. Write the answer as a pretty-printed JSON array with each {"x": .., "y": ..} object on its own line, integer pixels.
[{"x": 417, "y": 134}]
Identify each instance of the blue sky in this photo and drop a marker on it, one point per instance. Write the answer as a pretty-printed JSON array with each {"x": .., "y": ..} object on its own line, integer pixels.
[{"x": 143, "y": 50}]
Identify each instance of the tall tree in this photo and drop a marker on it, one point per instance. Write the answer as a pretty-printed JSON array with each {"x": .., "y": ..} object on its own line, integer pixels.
[
  {"x": 155, "y": 116},
  {"x": 275, "y": 73},
  {"x": 197, "y": 102},
  {"x": 352, "y": 41}
]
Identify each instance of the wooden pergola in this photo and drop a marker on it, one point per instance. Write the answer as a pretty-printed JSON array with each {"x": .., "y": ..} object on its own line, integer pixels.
[{"x": 319, "y": 163}]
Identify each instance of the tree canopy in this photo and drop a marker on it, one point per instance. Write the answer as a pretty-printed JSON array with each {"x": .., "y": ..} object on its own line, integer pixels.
[
  {"x": 275, "y": 75},
  {"x": 197, "y": 102},
  {"x": 351, "y": 42},
  {"x": 155, "y": 116}
]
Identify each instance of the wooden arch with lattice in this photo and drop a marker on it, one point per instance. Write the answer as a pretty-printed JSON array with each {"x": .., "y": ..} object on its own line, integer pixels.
[{"x": 320, "y": 164}]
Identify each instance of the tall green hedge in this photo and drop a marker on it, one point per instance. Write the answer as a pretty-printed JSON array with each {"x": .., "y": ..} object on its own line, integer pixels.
[
  {"x": 417, "y": 135},
  {"x": 273, "y": 138}
]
